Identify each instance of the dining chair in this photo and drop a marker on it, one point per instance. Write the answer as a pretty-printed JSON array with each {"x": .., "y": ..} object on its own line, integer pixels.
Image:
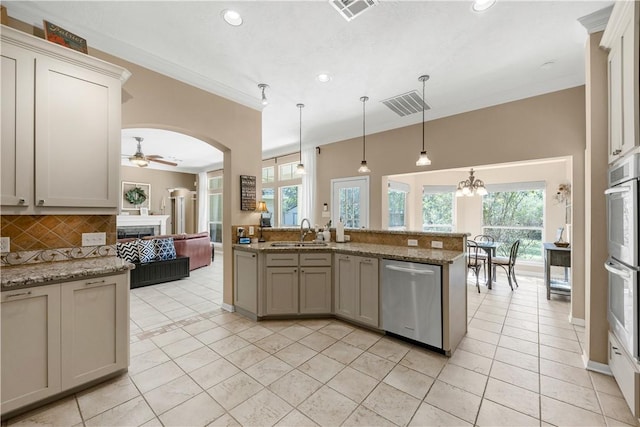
[
  {"x": 509, "y": 263},
  {"x": 482, "y": 255},
  {"x": 473, "y": 263}
]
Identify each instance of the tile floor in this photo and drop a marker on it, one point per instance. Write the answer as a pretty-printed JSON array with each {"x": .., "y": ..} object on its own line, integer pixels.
[{"x": 193, "y": 364}]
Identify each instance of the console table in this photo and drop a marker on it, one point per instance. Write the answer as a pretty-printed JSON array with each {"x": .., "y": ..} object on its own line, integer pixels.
[{"x": 561, "y": 257}]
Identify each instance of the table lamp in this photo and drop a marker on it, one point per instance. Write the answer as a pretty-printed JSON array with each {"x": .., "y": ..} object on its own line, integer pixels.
[{"x": 262, "y": 208}]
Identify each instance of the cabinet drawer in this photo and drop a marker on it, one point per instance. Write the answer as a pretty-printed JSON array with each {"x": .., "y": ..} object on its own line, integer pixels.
[
  {"x": 315, "y": 259},
  {"x": 626, "y": 373},
  {"x": 282, "y": 260}
]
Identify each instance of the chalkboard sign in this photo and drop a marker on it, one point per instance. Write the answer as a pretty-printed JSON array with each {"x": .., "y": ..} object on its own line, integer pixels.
[{"x": 247, "y": 193}]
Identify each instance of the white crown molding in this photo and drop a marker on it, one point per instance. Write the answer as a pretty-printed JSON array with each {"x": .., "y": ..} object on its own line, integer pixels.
[
  {"x": 622, "y": 11},
  {"x": 596, "y": 21},
  {"x": 28, "y": 13}
]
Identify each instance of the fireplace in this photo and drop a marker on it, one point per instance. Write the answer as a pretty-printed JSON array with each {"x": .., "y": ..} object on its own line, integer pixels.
[
  {"x": 141, "y": 225},
  {"x": 126, "y": 232}
]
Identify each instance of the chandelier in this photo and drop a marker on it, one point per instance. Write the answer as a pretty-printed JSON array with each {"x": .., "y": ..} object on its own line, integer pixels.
[{"x": 471, "y": 186}]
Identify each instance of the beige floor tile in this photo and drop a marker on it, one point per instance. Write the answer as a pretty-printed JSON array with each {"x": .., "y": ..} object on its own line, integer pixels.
[
  {"x": 579, "y": 376},
  {"x": 228, "y": 345},
  {"x": 498, "y": 311},
  {"x": 182, "y": 347},
  {"x": 277, "y": 325},
  {"x": 212, "y": 335},
  {"x": 409, "y": 381},
  {"x": 516, "y": 398},
  {"x": 141, "y": 347},
  {"x": 106, "y": 395},
  {"x": 372, "y": 365},
  {"x": 343, "y": 353},
  {"x": 526, "y": 325},
  {"x": 558, "y": 323},
  {"x": 225, "y": 420},
  {"x": 156, "y": 376},
  {"x": 199, "y": 326},
  {"x": 465, "y": 379},
  {"x": 234, "y": 390},
  {"x": 474, "y": 362},
  {"x": 169, "y": 337},
  {"x": 294, "y": 387},
  {"x": 268, "y": 370},
  {"x": 561, "y": 343},
  {"x": 605, "y": 383},
  {"x": 428, "y": 415},
  {"x": 486, "y": 325},
  {"x": 568, "y": 334},
  {"x": 153, "y": 422},
  {"x": 296, "y": 332},
  {"x": 495, "y": 318},
  {"x": 63, "y": 412},
  {"x": 337, "y": 330},
  {"x": 482, "y": 335},
  {"x": 197, "y": 359},
  {"x": 569, "y": 393},
  {"x": 295, "y": 418},
  {"x": 515, "y": 316},
  {"x": 363, "y": 417},
  {"x": 317, "y": 341},
  {"x": 134, "y": 412},
  {"x": 255, "y": 333},
  {"x": 273, "y": 343},
  {"x": 616, "y": 408},
  {"x": 390, "y": 348},
  {"x": 321, "y": 367},
  {"x": 327, "y": 407},
  {"x": 362, "y": 339},
  {"x": 522, "y": 334},
  {"x": 561, "y": 356},
  {"x": 200, "y": 410},
  {"x": 563, "y": 414},
  {"x": 214, "y": 373},
  {"x": 518, "y": 376},
  {"x": 147, "y": 360},
  {"x": 247, "y": 356},
  {"x": 475, "y": 346},
  {"x": 238, "y": 326},
  {"x": 425, "y": 361},
  {"x": 454, "y": 400},
  {"x": 392, "y": 404},
  {"x": 171, "y": 394},
  {"x": 353, "y": 384},
  {"x": 493, "y": 414},
  {"x": 517, "y": 344},
  {"x": 295, "y": 354},
  {"x": 314, "y": 323},
  {"x": 518, "y": 359}
]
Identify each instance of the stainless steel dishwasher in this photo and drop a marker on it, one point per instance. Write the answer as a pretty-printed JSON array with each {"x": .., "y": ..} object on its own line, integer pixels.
[{"x": 412, "y": 301}]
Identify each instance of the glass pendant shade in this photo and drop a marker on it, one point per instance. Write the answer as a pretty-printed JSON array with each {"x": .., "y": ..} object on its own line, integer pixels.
[
  {"x": 423, "y": 160},
  {"x": 363, "y": 167},
  {"x": 471, "y": 187},
  {"x": 300, "y": 169}
]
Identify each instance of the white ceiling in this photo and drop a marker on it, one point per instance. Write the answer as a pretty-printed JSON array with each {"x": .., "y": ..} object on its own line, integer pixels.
[{"x": 474, "y": 59}]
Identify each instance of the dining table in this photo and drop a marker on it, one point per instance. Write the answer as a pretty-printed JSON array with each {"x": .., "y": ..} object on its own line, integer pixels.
[{"x": 490, "y": 249}]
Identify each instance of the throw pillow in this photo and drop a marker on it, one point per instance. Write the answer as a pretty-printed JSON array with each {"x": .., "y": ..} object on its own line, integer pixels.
[
  {"x": 128, "y": 251},
  {"x": 146, "y": 250},
  {"x": 165, "y": 249}
]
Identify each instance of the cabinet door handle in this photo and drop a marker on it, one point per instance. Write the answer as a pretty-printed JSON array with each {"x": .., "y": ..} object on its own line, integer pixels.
[
  {"x": 21, "y": 201},
  {"x": 41, "y": 202},
  {"x": 20, "y": 294},
  {"x": 95, "y": 282},
  {"x": 616, "y": 152},
  {"x": 253, "y": 255}
]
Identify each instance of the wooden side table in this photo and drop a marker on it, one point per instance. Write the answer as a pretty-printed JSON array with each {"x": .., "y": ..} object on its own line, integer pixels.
[{"x": 561, "y": 257}]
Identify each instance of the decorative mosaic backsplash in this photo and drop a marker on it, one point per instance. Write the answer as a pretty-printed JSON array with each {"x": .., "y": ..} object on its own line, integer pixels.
[
  {"x": 53, "y": 255},
  {"x": 40, "y": 232}
]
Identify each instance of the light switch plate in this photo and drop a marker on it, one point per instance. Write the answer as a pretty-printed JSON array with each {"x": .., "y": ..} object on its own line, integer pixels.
[
  {"x": 251, "y": 230},
  {"x": 436, "y": 244},
  {"x": 5, "y": 244},
  {"x": 412, "y": 242},
  {"x": 326, "y": 214},
  {"x": 94, "y": 239}
]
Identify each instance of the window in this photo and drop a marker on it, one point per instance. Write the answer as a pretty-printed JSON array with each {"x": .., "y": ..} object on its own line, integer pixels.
[
  {"x": 215, "y": 183},
  {"x": 397, "y": 195},
  {"x": 287, "y": 172},
  {"x": 268, "y": 174},
  {"x": 350, "y": 201},
  {"x": 215, "y": 187},
  {"x": 515, "y": 211},
  {"x": 289, "y": 203},
  {"x": 437, "y": 208},
  {"x": 282, "y": 190}
]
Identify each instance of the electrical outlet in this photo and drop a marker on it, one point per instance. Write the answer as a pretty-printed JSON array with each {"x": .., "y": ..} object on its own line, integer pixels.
[
  {"x": 436, "y": 244},
  {"x": 5, "y": 244},
  {"x": 412, "y": 242},
  {"x": 94, "y": 239},
  {"x": 251, "y": 230}
]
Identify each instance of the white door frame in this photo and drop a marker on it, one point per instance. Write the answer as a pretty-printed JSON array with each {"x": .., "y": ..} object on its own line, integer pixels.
[{"x": 364, "y": 198}]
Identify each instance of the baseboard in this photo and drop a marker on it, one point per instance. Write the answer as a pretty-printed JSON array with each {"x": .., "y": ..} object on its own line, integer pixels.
[
  {"x": 227, "y": 307},
  {"x": 590, "y": 365},
  {"x": 576, "y": 321}
]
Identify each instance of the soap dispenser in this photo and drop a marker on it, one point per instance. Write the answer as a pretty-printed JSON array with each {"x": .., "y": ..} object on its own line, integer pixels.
[{"x": 340, "y": 231}]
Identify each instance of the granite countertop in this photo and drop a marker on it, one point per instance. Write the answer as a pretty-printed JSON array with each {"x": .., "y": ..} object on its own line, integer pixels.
[
  {"x": 402, "y": 253},
  {"x": 46, "y": 273}
]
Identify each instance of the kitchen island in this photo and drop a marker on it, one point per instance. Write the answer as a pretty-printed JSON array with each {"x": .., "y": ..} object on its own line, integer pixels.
[{"x": 280, "y": 280}]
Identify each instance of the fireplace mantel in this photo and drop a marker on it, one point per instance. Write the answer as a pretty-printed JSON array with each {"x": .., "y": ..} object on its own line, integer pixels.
[{"x": 143, "y": 220}]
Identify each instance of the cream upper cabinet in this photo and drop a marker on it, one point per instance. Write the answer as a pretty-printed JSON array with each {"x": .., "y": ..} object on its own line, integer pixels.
[
  {"x": 621, "y": 37},
  {"x": 30, "y": 368},
  {"x": 61, "y": 143},
  {"x": 95, "y": 328}
]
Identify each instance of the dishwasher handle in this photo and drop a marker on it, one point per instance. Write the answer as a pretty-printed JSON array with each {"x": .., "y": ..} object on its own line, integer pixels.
[{"x": 409, "y": 270}]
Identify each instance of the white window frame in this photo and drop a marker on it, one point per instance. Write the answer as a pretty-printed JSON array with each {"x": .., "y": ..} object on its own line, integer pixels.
[
  {"x": 357, "y": 181},
  {"x": 439, "y": 189},
  {"x": 277, "y": 184}
]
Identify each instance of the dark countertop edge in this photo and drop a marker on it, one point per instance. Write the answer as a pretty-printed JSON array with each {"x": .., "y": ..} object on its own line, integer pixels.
[
  {"x": 33, "y": 276},
  {"x": 423, "y": 255}
]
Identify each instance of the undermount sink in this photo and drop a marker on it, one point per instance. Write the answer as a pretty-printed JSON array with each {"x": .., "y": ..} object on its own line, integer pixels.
[{"x": 296, "y": 244}]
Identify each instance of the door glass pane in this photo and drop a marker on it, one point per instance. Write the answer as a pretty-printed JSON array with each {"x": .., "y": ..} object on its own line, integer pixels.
[
  {"x": 350, "y": 197},
  {"x": 397, "y": 209},
  {"x": 289, "y": 202},
  {"x": 215, "y": 217},
  {"x": 350, "y": 207}
]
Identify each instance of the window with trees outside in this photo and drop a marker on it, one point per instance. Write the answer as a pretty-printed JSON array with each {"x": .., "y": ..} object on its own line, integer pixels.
[
  {"x": 515, "y": 211},
  {"x": 214, "y": 189},
  {"x": 397, "y": 196},
  {"x": 438, "y": 208},
  {"x": 282, "y": 190}
]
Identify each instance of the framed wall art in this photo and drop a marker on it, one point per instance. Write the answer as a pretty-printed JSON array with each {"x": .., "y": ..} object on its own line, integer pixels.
[
  {"x": 135, "y": 195},
  {"x": 247, "y": 193}
]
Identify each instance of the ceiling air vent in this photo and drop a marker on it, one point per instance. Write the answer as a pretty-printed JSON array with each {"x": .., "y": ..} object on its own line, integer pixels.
[
  {"x": 407, "y": 103},
  {"x": 349, "y": 9}
]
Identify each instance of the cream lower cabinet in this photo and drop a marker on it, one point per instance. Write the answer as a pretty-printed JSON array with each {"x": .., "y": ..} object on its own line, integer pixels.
[
  {"x": 30, "y": 368},
  {"x": 357, "y": 290},
  {"x": 58, "y": 337},
  {"x": 245, "y": 280},
  {"x": 315, "y": 283},
  {"x": 281, "y": 285}
]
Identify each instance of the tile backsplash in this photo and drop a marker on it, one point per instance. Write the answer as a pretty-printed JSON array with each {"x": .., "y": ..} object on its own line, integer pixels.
[{"x": 37, "y": 232}]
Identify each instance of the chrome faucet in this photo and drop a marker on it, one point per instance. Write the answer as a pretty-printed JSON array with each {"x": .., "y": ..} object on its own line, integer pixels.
[{"x": 303, "y": 233}]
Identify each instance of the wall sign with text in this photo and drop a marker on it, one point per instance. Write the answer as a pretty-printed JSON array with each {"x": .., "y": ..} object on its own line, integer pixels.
[{"x": 247, "y": 193}]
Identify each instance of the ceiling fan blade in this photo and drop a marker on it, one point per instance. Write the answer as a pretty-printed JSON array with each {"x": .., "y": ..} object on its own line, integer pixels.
[
  {"x": 155, "y": 156},
  {"x": 164, "y": 162}
]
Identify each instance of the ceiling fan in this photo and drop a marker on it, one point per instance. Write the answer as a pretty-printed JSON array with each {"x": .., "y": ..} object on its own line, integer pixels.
[{"x": 139, "y": 159}]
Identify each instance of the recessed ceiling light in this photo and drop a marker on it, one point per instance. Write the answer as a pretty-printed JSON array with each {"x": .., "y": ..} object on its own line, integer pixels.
[
  {"x": 232, "y": 17},
  {"x": 482, "y": 5},
  {"x": 323, "y": 78}
]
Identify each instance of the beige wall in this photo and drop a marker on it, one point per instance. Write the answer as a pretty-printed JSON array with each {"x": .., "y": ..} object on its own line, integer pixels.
[
  {"x": 546, "y": 126},
  {"x": 596, "y": 162}
]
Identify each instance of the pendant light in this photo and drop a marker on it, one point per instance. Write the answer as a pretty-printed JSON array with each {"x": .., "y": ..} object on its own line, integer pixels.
[
  {"x": 363, "y": 165},
  {"x": 471, "y": 187},
  {"x": 263, "y": 86},
  {"x": 300, "y": 168},
  {"x": 423, "y": 160}
]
